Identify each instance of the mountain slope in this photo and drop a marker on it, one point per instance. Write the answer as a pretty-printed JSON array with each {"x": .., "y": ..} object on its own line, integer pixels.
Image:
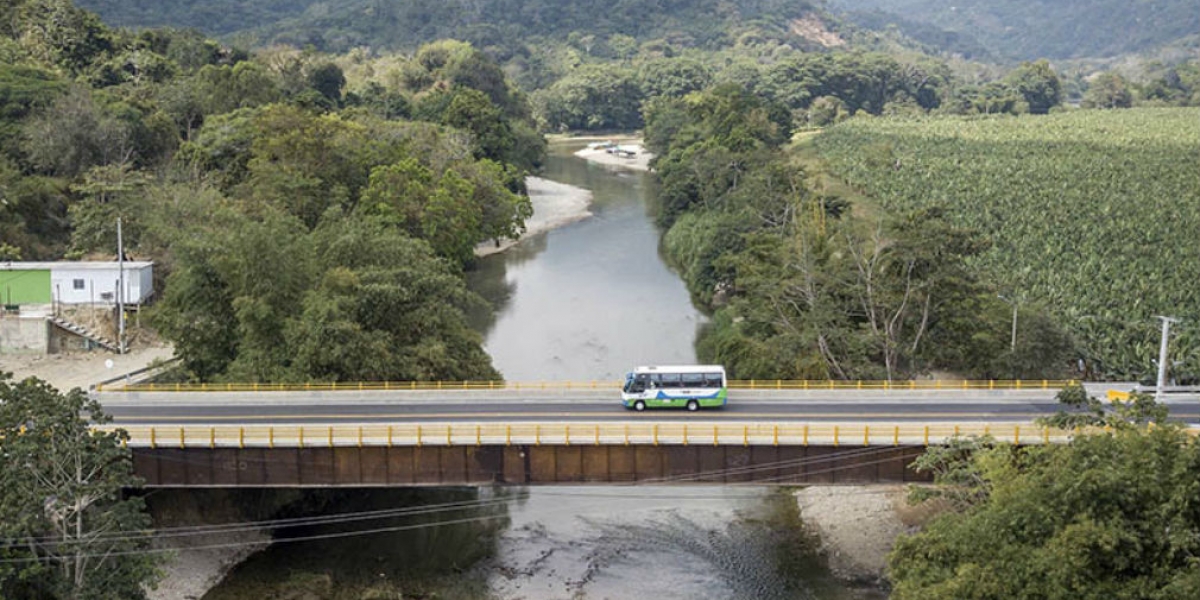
[
  {"x": 1028, "y": 29},
  {"x": 396, "y": 24}
]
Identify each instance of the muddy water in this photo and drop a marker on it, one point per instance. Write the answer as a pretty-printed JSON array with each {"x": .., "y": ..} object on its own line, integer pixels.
[{"x": 589, "y": 300}]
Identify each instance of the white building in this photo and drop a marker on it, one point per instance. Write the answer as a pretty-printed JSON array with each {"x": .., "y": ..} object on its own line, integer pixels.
[{"x": 88, "y": 282}]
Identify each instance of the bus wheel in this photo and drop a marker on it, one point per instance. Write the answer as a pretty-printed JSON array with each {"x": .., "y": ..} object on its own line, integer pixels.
[
  {"x": 639, "y": 406},
  {"x": 693, "y": 405}
]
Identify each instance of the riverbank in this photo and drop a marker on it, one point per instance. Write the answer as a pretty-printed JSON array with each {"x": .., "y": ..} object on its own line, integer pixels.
[
  {"x": 554, "y": 205},
  {"x": 624, "y": 153},
  {"x": 858, "y": 525}
]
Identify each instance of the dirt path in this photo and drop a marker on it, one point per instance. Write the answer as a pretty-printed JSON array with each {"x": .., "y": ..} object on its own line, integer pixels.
[{"x": 82, "y": 369}]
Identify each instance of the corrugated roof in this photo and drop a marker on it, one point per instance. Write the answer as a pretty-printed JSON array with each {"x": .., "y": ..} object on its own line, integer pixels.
[{"x": 66, "y": 264}]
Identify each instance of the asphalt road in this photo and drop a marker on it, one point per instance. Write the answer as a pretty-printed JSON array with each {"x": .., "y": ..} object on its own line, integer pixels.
[{"x": 283, "y": 408}]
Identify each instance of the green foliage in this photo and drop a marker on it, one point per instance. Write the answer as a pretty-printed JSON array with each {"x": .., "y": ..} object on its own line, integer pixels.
[
  {"x": 1038, "y": 84},
  {"x": 1178, "y": 85},
  {"x": 1069, "y": 201},
  {"x": 1111, "y": 515},
  {"x": 1108, "y": 90},
  {"x": 1030, "y": 29},
  {"x": 593, "y": 97},
  {"x": 69, "y": 526}
]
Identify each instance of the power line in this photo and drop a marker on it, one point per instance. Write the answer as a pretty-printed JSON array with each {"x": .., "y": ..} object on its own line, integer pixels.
[{"x": 237, "y": 527}]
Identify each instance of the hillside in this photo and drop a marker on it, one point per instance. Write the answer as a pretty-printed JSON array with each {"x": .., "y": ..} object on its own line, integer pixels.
[
  {"x": 212, "y": 17},
  {"x": 1029, "y": 29},
  {"x": 496, "y": 24}
]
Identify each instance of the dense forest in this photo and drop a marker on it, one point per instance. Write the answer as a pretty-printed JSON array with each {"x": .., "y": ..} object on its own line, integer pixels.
[
  {"x": 1030, "y": 29},
  {"x": 257, "y": 185}
]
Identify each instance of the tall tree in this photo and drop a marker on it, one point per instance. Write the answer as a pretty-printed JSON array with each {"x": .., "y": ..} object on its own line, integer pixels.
[{"x": 69, "y": 529}]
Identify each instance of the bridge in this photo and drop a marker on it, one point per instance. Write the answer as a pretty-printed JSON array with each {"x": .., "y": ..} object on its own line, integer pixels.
[{"x": 485, "y": 433}]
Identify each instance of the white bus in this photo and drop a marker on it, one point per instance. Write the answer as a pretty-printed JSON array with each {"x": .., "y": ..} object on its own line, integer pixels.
[{"x": 690, "y": 387}]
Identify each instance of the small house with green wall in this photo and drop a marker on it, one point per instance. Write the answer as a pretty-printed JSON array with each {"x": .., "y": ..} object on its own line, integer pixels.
[{"x": 75, "y": 282}]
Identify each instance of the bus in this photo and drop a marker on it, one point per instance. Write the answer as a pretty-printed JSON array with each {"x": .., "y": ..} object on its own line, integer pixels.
[{"x": 690, "y": 387}]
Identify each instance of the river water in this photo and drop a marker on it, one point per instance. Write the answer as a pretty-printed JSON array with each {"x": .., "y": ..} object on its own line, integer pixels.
[
  {"x": 590, "y": 300},
  {"x": 586, "y": 301}
]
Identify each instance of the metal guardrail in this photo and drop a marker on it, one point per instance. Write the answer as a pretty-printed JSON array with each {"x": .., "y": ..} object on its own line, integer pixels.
[
  {"x": 747, "y": 384},
  {"x": 581, "y": 434}
]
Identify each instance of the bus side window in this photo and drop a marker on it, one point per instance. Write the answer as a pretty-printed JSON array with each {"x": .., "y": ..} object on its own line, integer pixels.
[
  {"x": 671, "y": 380},
  {"x": 712, "y": 380},
  {"x": 693, "y": 380},
  {"x": 655, "y": 380}
]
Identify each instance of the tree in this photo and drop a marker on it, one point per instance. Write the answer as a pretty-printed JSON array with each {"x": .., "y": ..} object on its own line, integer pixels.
[
  {"x": 1113, "y": 514},
  {"x": 1038, "y": 84},
  {"x": 69, "y": 527},
  {"x": 1108, "y": 90}
]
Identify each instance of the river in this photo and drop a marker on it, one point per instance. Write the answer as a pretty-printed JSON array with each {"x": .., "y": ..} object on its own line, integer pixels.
[
  {"x": 590, "y": 300},
  {"x": 585, "y": 301}
]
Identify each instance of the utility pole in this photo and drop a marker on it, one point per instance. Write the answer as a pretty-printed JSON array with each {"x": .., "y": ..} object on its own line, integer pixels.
[
  {"x": 120, "y": 291},
  {"x": 1162, "y": 356},
  {"x": 1012, "y": 346}
]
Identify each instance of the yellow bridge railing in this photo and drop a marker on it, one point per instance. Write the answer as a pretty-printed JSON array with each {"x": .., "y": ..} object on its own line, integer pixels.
[
  {"x": 747, "y": 384},
  {"x": 581, "y": 434}
]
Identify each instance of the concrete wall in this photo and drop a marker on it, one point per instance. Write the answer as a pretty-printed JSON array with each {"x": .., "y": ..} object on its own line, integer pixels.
[
  {"x": 523, "y": 465},
  {"x": 24, "y": 334}
]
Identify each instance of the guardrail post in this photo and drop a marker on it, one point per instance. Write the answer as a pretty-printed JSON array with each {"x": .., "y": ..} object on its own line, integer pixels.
[
  {"x": 1045, "y": 384},
  {"x": 956, "y": 431},
  {"x": 1016, "y": 435},
  {"x": 597, "y": 434},
  {"x": 241, "y": 437},
  {"x": 508, "y": 435},
  {"x": 656, "y": 435},
  {"x": 896, "y": 435},
  {"x": 537, "y": 435},
  {"x": 745, "y": 435},
  {"x": 835, "y": 436},
  {"x": 212, "y": 437},
  {"x": 685, "y": 440},
  {"x": 449, "y": 432},
  {"x": 926, "y": 435},
  {"x": 567, "y": 435},
  {"x": 182, "y": 440},
  {"x": 300, "y": 437},
  {"x": 991, "y": 384},
  {"x": 418, "y": 436},
  {"x": 866, "y": 435},
  {"x": 752, "y": 384},
  {"x": 775, "y": 436},
  {"x": 478, "y": 435},
  {"x": 806, "y": 434},
  {"x": 153, "y": 441},
  {"x": 626, "y": 434},
  {"x": 270, "y": 437},
  {"x": 1018, "y": 384},
  {"x": 1045, "y": 435},
  {"x": 716, "y": 440},
  {"x": 389, "y": 436},
  {"x": 330, "y": 436}
]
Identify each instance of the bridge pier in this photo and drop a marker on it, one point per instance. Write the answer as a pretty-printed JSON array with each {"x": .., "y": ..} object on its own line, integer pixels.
[{"x": 545, "y": 464}]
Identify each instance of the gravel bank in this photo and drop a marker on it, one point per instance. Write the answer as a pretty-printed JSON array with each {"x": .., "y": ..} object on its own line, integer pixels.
[{"x": 857, "y": 524}]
